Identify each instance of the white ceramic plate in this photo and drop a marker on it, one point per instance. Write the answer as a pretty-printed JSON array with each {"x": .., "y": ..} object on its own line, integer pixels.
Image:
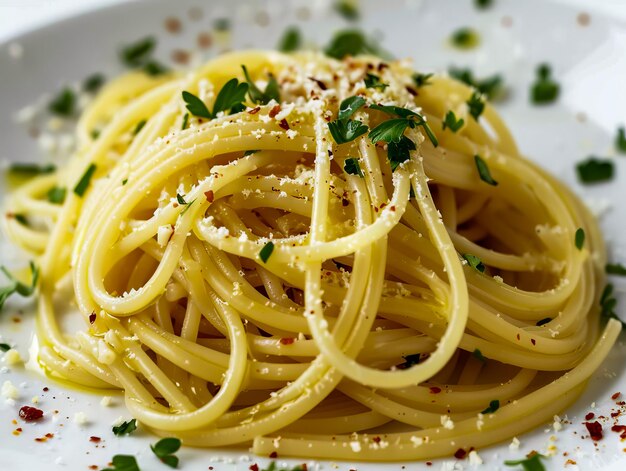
[{"x": 588, "y": 56}]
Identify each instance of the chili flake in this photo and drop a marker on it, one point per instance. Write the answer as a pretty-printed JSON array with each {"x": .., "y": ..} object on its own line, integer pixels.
[{"x": 30, "y": 414}]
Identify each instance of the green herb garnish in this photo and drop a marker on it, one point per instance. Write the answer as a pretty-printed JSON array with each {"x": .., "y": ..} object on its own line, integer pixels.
[
  {"x": 475, "y": 105},
  {"x": 421, "y": 79},
  {"x": 56, "y": 195},
  {"x": 125, "y": 428},
  {"x": 579, "y": 238},
  {"x": 544, "y": 90},
  {"x": 350, "y": 42},
  {"x": 493, "y": 406},
  {"x": 196, "y": 106},
  {"x": 5, "y": 347},
  {"x": 615, "y": 269},
  {"x": 474, "y": 262},
  {"x": 93, "y": 83},
  {"x": 154, "y": 68},
  {"x": 222, "y": 24},
  {"x": 230, "y": 98},
  {"x": 373, "y": 81},
  {"x": 83, "y": 183},
  {"x": 136, "y": 54},
  {"x": 63, "y": 104},
  {"x": 266, "y": 251},
  {"x": 412, "y": 118},
  {"x": 465, "y": 38},
  {"x": 347, "y": 9},
  {"x": 21, "y": 219},
  {"x": 608, "y": 304},
  {"x": 483, "y": 4},
  {"x": 291, "y": 40},
  {"x": 250, "y": 152},
  {"x": 16, "y": 286},
  {"x": 483, "y": 170},
  {"x": 349, "y": 106},
  {"x": 410, "y": 360},
  {"x": 95, "y": 134},
  {"x": 620, "y": 140},
  {"x": 478, "y": 355},
  {"x": 139, "y": 127},
  {"x": 346, "y": 130},
  {"x": 274, "y": 467},
  {"x": 594, "y": 170},
  {"x": 256, "y": 95},
  {"x": 451, "y": 121},
  {"x": 165, "y": 449},
  {"x": 123, "y": 463},
  {"x": 352, "y": 167},
  {"x": 532, "y": 463},
  {"x": 185, "y": 122},
  {"x": 31, "y": 169},
  {"x": 491, "y": 87}
]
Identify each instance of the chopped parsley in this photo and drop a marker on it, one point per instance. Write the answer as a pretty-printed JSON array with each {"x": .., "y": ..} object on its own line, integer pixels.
[
  {"x": 21, "y": 219},
  {"x": 256, "y": 95},
  {"x": 347, "y": 9},
  {"x": 95, "y": 134},
  {"x": 5, "y": 347},
  {"x": 489, "y": 86},
  {"x": 291, "y": 40},
  {"x": 451, "y": 121},
  {"x": 399, "y": 152},
  {"x": 230, "y": 98},
  {"x": 154, "y": 68},
  {"x": 421, "y": 79},
  {"x": 266, "y": 251},
  {"x": 478, "y": 355},
  {"x": 543, "y": 321},
  {"x": 544, "y": 90},
  {"x": 483, "y": 4},
  {"x": 16, "y": 286},
  {"x": 180, "y": 199},
  {"x": 608, "y": 304},
  {"x": 411, "y": 118},
  {"x": 483, "y": 171},
  {"x": 410, "y": 360},
  {"x": 123, "y": 463},
  {"x": 83, "y": 183},
  {"x": 493, "y": 406},
  {"x": 620, "y": 140},
  {"x": 474, "y": 262},
  {"x": 56, "y": 195},
  {"x": 346, "y": 130},
  {"x": 579, "y": 238},
  {"x": 165, "y": 449},
  {"x": 185, "y": 122},
  {"x": 222, "y": 24},
  {"x": 138, "y": 53},
  {"x": 475, "y": 105},
  {"x": 594, "y": 170},
  {"x": 250, "y": 152},
  {"x": 63, "y": 104},
  {"x": 350, "y": 42},
  {"x": 31, "y": 169},
  {"x": 93, "y": 83},
  {"x": 532, "y": 463},
  {"x": 373, "y": 81},
  {"x": 274, "y": 467},
  {"x": 352, "y": 167},
  {"x": 196, "y": 106},
  {"x": 615, "y": 269},
  {"x": 349, "y": 106},
  {"x": 465, "y": 38},
  {"x": 125, "y": 428},
  {"x": 139, "y": 127}
]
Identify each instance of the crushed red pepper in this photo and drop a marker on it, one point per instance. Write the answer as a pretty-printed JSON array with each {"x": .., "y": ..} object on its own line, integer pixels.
[
  {"x": 30, "y": 414},
  {"x": 287, "y": 340},
  {"x": 435, "y": 390},
  {"x": 284, "y": 124},
  {"x": 595, "y": 430}
]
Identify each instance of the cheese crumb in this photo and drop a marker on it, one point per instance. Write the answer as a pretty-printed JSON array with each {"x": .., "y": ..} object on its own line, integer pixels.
[
  {"x": 35, "y": 400},
  {"x": 515, "y": 443},
  {"x": 12, "y": 357},
  {"x": 106, "y": 401},
  {"x": 9, "y": 391},
  {"x": 356, "y": 446},
  {"x": 447, "y": 422},
  {"x": 474, "y": 458},
  {"x": 80, "y": 418},
  {"x": 163, "y": 234}
]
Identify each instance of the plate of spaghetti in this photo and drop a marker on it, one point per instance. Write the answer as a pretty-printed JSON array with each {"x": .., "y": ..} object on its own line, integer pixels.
[{"x": 354, "y": 235}]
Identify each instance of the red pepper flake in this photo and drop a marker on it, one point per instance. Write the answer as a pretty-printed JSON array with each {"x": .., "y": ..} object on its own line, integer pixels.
[
  {"x": 304, "y": 467},
  {"x": 533, "y": 341},
  {"x": 621, "y": 429},
  {"x": 94, "y": 467},
  {"x": 173, "y": 25},
  {"x": 287, "y": 340},
  {"x": 518, "y": 337},
  {"x": 273, "y": 454},
  {"x": 376, "y": 439},
  {"x": 254, "y": 467},
  {"x": 49, "y": 435},
  {"x": 460, "y": 454},
  {"x": 319, "y": 83},
  {"x": 595, "y": 430},
  {"x": 46, "y": 389},
  {"x": 209, "y": 195},
  {"x": 590, "y": 416},
  {"x": 254, "y": 110},
  {"x": 95, "y": 439},
  {"x": 435, "y": 390},
  {"x": 429, "y": 463},
  {"x": 92, "y": 317},
  {"x": 572, "y": 462},
  {"x": 30, "y": 414},
  {"x": 274, "y": 111},
  {"x": 180, "y": 56},
  {"x": 615, "y": 414},
  {"x": 616, "y": 395},
  {"x": 284, "y": 124},
  {"x": 344, "y": 202},
  {"x": 411, "y": 90}
]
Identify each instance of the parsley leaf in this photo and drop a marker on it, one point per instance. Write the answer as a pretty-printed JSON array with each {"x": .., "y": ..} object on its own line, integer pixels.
[
  {"x": 391, "y": 130},
  {"x": 83, "y": 183},
  {"x": 93, "y": 83},
  {"x": 350, "y": 42},
  {"x": 256, "y": 95},
  {"x": 579, "y": 238},
  {"x": 136, "y": 54},
  {"x": 620, "y": 140},
  {"x": 608, "y": 304},
  {"x": 347, "y": 9},
  {"x": 21, "y": 219},
  {"x": 165, "y": 449},
  {"x": 139, "y": 127},
  {"x": 475, "y": 105},
  {"x": 411, "y": 360},
  {"x": 465, "y": 38},
  {"x": 529, "y": 464},
  {"x": 615, "y": 269},
  {"x": 346, "y": 130},
  {"x": 63, "y": 104},
  {"x": 195, "y": 105},
  {"x": 185, "y": 122},
  {"x": 349, "y": 106},
  {"x": 483, "y": 171},
  {"x": 421, "y": 79},
  {"x": 594, "y": 170},
  {"x": 451, "y": 121},
  {"x": 493, "y": 406},
  {"x": 31, "y": 169},
  {"x": 266, "y": 251},
  {"x": 230, "y": 96},
  {"x": 373, "y": 81},
  {"x": 291, "y": 40},
  {"x": 413, "y": 119},
  {"x": 399, "y": 152},
  {"x": 474, "y": 262},
  {"x": 479, "y": 355},
  {"x": 5, "y": 347},
  {"x": 125, "y": 428},
  {"x": 544, "y": 90},
  {"x": 221, "y": 24},
  {"x": 154, "y": 68},
  {"x": 250, "y": 152},
  {"x": 483, "y": 4},
  {"x": 352, "y": 167},
  {"x": 490, "y": 86},
  {"x": 56, "y": 195},
  {"x": 123, "y": 463},
  {"x": 16, "y": 286}
]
